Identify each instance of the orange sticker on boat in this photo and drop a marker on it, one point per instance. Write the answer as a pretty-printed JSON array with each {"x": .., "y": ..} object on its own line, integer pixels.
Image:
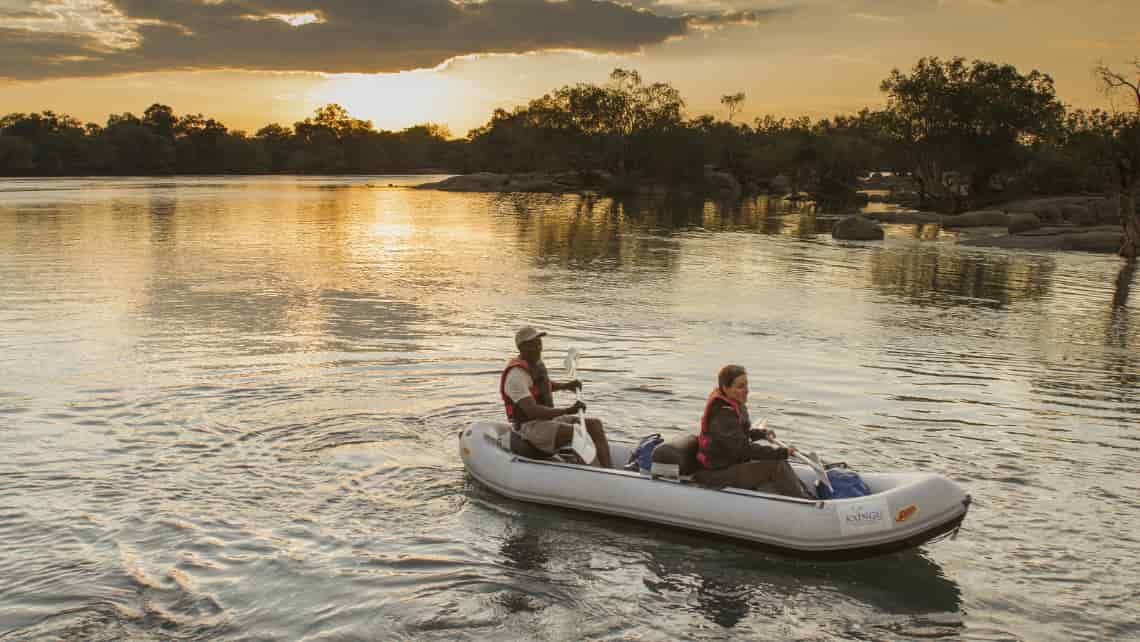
[
  {"x": 466, "y": 452},
  {"x": 906, "y": 513}
]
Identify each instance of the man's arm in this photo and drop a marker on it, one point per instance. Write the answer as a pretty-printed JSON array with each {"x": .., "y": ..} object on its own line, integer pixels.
[
  {"x": 555, "y": 386},
  {"x": 535, "y": 411}
]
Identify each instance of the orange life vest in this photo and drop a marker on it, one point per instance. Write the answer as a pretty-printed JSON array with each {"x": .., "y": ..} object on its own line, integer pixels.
[
  {"x": 703, "y": 438},
  {"x": 539, "y": 389}
]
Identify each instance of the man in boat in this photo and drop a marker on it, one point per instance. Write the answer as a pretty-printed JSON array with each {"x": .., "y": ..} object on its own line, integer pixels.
[
  {"x": 732, "y": 452},
  {"x": 527, "y": 393}
]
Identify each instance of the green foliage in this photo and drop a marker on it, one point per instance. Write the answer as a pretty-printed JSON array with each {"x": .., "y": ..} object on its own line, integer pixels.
[
  {"x": 732, "y": 102},
  {"x": 617, "y": 128},
  {"x": 974, "y": 119},
  {"x": 985, "y": 123},
  {"x": 161, "y": 142}
]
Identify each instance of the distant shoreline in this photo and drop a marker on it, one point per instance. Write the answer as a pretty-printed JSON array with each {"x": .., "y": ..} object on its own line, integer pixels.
[{"x": 419, "y": 172}]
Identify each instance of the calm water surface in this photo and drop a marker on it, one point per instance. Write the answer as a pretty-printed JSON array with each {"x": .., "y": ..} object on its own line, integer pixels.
[{"x": 228, "y": 410}]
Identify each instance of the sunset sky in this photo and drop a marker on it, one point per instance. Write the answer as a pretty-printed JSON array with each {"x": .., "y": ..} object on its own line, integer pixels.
[{"x": 402, "y": 62}]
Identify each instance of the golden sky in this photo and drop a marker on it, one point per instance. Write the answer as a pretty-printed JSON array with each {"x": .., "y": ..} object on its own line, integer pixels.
[{"x": 402, "y": 62}]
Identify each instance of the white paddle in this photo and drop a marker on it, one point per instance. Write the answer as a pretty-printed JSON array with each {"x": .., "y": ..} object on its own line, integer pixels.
[
  {"x": 820, "y": 473},
  {"x": 581, "y": 443}
]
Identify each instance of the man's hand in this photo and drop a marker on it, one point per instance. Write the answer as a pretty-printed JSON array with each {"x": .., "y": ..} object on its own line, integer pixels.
[
  {"x": 571, "y": 385},
  {"x": 578, "y": 406}
]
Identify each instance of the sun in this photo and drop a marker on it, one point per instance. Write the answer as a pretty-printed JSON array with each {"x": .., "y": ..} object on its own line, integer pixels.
[{"x": 396, "y": 101}]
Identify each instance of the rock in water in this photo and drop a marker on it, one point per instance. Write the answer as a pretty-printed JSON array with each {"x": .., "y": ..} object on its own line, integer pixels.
[
  {"x": 857, "y": 228},
  {"x": 979, "y": 218},
  {"x": 1023, "y": 222}
]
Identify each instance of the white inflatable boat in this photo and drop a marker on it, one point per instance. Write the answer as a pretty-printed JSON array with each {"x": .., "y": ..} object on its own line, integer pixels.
[{"x": 905, "y": 509}]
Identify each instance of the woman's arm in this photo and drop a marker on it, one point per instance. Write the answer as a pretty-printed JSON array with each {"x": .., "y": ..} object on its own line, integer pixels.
[{"x": 764, "y": 452}]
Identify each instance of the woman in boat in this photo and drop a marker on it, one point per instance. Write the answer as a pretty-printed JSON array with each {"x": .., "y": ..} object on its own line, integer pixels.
[{"x": 728, "y": 454}]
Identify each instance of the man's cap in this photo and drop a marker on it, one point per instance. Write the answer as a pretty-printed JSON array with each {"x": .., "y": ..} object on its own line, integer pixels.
[{"x": 527, "y": 333}]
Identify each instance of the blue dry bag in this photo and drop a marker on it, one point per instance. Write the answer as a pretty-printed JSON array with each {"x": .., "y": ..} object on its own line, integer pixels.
[
  {"x": 642, "y": 456},
  {"x": 844, "y": 483}
]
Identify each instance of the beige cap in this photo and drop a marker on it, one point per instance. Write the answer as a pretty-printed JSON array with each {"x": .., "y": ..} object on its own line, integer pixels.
[{"x": 527, "y": 333}]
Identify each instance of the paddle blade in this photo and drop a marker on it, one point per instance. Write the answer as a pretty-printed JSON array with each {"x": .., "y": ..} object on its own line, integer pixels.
[
  {"x": 582, "y": 443},
  {"x": 571, "y": 362}
]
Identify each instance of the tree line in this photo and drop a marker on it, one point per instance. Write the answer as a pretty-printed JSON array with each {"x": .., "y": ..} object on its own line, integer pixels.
[
  {"x": 968, "y": 133},
  {"x": 161, "y": 142}
]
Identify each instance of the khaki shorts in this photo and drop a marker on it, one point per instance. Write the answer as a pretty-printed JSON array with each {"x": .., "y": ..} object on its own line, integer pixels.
[{"x": 543, "y": 433}]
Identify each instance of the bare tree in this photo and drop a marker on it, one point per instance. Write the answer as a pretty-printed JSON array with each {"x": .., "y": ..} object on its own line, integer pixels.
[
  {"x": 1122, "y": 133},
  {"x": 733, "y": 103},
  {"x": 1111, "y": 81}
]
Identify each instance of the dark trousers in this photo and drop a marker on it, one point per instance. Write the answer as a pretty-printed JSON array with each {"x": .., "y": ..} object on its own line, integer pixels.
[{"x": 774, "y": 476}]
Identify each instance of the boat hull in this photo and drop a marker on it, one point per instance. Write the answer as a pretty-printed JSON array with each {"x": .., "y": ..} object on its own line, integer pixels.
[{"x": 904, "y": 511}]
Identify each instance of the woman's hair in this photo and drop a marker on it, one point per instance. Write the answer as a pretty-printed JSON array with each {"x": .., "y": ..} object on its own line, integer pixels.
[{"x": 728, "y": 374}]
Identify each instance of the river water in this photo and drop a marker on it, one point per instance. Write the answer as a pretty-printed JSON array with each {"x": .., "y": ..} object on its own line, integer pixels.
[{"x": 228, "y": 410}]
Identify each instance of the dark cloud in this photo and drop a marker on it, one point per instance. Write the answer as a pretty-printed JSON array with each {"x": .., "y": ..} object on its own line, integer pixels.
[
  {"x": 366, "y": 36},
  {"x": 734, "y": 18},
  {"x": 41, "y": 50}
]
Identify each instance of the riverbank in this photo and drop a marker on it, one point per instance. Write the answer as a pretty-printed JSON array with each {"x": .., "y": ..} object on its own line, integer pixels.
[
  {"x": 1080, "y": 222},
  {"x": 712, "y": 183}
]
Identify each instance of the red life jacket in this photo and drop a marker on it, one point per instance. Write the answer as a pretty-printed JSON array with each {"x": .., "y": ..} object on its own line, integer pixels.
[
  {"x": 540, "y": 394},
  {"x": 703, "y": 438}
]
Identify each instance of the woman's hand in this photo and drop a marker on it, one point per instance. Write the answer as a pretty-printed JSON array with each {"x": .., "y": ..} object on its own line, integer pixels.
[{"x": 761, "y": 434}]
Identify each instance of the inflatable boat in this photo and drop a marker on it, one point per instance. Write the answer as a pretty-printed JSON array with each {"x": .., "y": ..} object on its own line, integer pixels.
[{"x": 904, "y": 509}]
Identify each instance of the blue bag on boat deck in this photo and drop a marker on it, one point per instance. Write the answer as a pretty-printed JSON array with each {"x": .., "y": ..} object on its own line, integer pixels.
[
  {"x": 844, "y": 483},
  {"x": 641, "y": 459}
]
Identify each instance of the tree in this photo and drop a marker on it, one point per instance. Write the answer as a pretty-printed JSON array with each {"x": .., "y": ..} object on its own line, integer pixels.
[
  {"x": 16, "y": 155},
  {"x": 620, "y": 127},
  {"x": 1122, "y": 140},
  {"x": 161, "y": 120},
  {"x": 733, "y": 103},
  {"x": 975, "y": 120},
  {"x": 201, "y": 144},
  {"x": 1111, "y": 81},
  {"x": 276, "y": 141},
  {"x": 51, "y": 143},
  {"x": 135, "y": 148}
]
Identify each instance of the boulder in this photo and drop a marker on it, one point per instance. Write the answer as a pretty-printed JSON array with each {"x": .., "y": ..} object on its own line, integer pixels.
[
  {"x": 1049, "y": 213},
  {"x": 479, "y": 182},
  {"x": 1078, "y": 214},
  {"x": 1023, "y": 222},
  {"x": 1105, "y": 239},
  {"x": 979, "y": 218},
  {"x": 535, "y": 185},
  {"x": 490, "y": 182},
  {"x": 723, "y": 184},
  {"x": 1107, "y": 210},
  {"x": 857, "y": 228},
  {"x": 780, "y": 184},
  {"x": 915, "y": 218},
  {"x": 1099, "y": 240}
]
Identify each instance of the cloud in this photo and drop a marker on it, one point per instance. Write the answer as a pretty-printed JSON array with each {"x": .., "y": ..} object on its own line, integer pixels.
[
  {"x": 748, "y": 17},
  {"x": 62, "y": 38}
]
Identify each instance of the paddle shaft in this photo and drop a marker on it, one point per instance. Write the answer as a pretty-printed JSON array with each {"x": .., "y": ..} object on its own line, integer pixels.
[
  {"x": 820, "y": 473},
  {"x": 580, "y": 428}
]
